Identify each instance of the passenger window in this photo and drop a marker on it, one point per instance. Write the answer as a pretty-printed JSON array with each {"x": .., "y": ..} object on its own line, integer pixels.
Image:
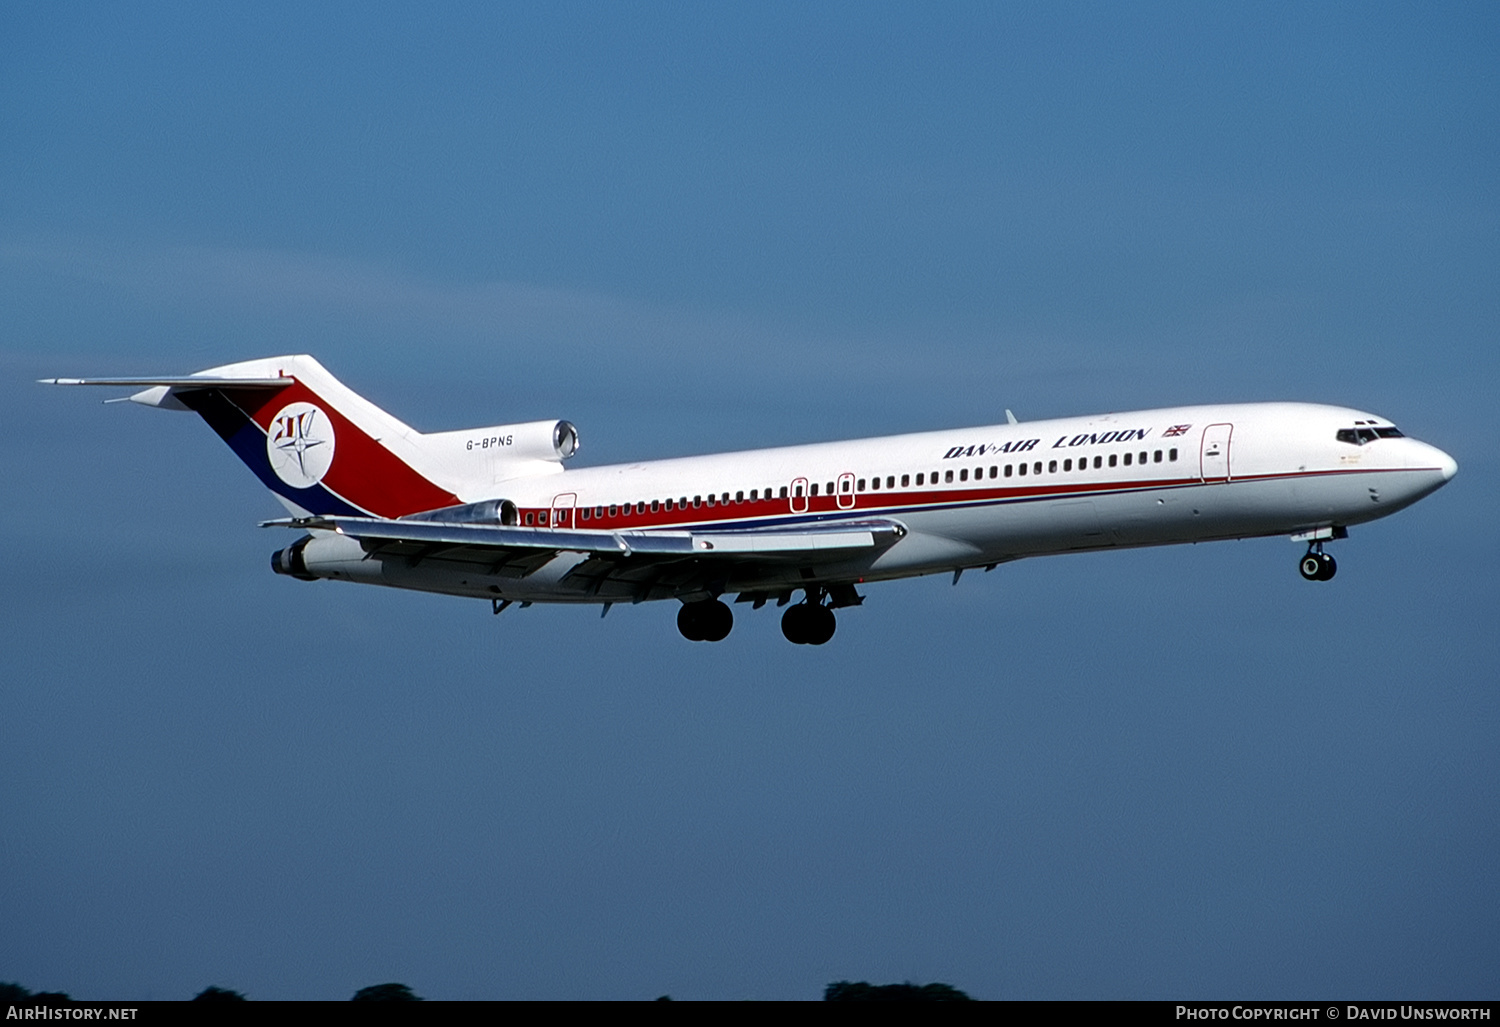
[
  {"x": 1172, "y": 455},
  {"x": 830, "y": 488},
  {"x": 906, "y": 481},
  {"x": 640, "y": 507},
  {"x": 919, "y": 478},
  {"x": 614, "y": 511},
  {"x": 710, "y": 500},
  {"x": 739, "y": 497},
  {"x": 963, "y": 474},
  {"x": 874, "y": 484},
  {"x": 799, "y": 492},
  {"x": 948, "y": 476},
  {"x": 1143, "y": 458},
  {"x": 655, "y": 505},
  {"x": 814, "y": 489},
  {"x": 1098, "y": 462},
  {"x": 1127, "y": 459},
  {"x": 1007, "y": 470},
  {"x": 1036, "y": 468},
  {"x": 890, "y": 481},
  {"x": 531, "y": 518},
  {"x": 1112, "y": 459},
  {"x": 994, "y": 471},
  {"x": 1067, "y": 465},
  {"x": 1052, "y": 467},
  {"x": 753, "y": 494},
  {"x": 1022, "y": 468},
  {"x": 1156, "y": 457},
  {"x": 697, "y": 501},
  {"x": 586, "y": 513},
  {"x": 859, "y": 487},
  {"x": 598, "y": 511}
]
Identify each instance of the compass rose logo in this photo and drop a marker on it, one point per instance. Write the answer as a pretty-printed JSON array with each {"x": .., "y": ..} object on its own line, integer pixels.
[{"x": 300, "y": 444}]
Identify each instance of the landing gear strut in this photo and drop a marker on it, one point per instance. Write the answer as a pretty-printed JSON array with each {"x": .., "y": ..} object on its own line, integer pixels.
[
  {"x": 809, "y": 622},
  {"x": 1317, "y": 565},
  {"x": 707, "y": 620}
]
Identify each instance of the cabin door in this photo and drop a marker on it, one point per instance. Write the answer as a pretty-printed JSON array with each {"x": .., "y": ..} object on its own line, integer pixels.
[
  {"x": 846, "y": 491},
  {"x": 1214, "y": 453},
  {"x": 799, "y": 495}
]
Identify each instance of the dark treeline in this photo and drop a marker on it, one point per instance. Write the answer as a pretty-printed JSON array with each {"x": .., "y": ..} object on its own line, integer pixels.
[
  {"x": 838, "y": 991},
  {"x": 13, "y": 994}
]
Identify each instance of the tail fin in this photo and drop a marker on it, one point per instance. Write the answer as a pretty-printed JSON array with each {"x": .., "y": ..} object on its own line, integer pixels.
[{"x": 320, "y": 447}]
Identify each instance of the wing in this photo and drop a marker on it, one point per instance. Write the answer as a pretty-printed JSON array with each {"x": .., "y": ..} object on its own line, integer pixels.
[{"x": 632, "y": 565}]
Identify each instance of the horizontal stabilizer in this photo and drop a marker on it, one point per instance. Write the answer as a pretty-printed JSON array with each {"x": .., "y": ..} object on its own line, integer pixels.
[{"x": 183, "y": 382}]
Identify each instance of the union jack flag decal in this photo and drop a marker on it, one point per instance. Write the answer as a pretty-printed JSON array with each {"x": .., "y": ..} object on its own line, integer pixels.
[{"x": 1176, "y": 430}]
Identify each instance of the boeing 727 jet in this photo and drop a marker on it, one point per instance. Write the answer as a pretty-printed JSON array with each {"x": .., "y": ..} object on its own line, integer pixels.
[{"x": 492, "y": 513}]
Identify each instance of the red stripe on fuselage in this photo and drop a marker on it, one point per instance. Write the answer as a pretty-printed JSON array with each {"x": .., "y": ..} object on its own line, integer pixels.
[{"x": 895, "y": 501}]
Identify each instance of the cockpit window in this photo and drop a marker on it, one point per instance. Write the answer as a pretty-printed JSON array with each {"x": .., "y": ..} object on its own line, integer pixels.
[{"x": 1359, "y": 436}]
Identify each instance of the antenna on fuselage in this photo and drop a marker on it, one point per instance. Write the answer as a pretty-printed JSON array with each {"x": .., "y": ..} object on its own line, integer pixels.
[{"x": 1010, "y": 418}]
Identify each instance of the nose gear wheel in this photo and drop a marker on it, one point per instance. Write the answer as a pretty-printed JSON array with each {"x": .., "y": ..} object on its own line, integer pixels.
[{"x": 1317, "y": 565}]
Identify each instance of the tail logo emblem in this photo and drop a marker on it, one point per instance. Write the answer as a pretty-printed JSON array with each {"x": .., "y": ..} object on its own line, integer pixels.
[{"x": 300, "y": 445}]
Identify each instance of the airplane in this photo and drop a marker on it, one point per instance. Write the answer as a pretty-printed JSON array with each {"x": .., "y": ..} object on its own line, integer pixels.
[{"x": 491, "y": 512}]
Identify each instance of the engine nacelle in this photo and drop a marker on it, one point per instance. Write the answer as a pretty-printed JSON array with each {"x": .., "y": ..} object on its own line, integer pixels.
[
  {"x": 490, "y": 511},
  {"x": 534, "y": 440},
  {"x": 289, "y": 561},
  {"x": 327, "y": 554}
]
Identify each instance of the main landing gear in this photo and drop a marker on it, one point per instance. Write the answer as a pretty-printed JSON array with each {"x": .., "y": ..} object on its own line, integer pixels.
[
  {"x": 808, "y": 623},
  {"x": 707, "y": 620},
  {"x": 1317, "y": 565}
]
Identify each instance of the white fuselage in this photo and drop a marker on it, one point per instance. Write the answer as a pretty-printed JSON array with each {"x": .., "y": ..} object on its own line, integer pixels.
[{"x": 981, "y": 496}]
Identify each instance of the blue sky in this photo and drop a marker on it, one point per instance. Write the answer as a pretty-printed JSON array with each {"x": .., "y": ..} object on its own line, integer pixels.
[{"x": 1171, "y": 773}]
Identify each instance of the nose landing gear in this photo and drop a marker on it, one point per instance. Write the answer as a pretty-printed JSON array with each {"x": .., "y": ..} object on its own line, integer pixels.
[{"x": 1317, "y": 565}]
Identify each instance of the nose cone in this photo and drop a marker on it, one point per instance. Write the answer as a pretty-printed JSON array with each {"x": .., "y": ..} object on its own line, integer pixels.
[
  {"x": 1446, "y": 464},
  {"x": 1438, "y": 466}
]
